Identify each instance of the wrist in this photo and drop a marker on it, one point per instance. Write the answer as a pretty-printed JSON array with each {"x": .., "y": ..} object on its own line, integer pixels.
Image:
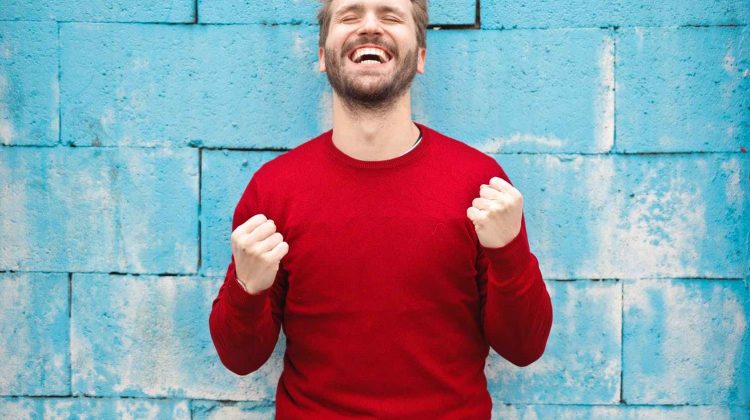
[
  {"x": 247, "y": 288},
  {"x": 242, "y": 285}
]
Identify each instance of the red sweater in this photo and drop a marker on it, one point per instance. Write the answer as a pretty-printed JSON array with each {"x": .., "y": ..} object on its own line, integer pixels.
[{"x": 388, "y": 301}]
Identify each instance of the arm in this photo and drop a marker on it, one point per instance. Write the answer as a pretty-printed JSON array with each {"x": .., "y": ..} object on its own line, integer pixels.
[
  {"x": 516, "y": 307},
  {"x": 244, "y": 327},
  {"x": 516, "y": 310}
]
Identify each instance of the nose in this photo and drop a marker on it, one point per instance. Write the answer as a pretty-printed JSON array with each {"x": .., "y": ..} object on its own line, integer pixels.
[{"x": 370, "y": 25}]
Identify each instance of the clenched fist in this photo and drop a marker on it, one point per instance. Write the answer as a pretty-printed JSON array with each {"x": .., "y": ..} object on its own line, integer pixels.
[
  {"x": 257, "y": 250},
  {"x": 496, "y": 213}
]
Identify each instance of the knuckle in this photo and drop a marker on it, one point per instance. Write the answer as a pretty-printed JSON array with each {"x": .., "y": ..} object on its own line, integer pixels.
[{"x": 250, "y": 248}]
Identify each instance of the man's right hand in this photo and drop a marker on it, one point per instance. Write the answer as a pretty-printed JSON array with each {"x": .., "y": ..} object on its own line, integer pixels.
[{"x": 257, "y": 250}]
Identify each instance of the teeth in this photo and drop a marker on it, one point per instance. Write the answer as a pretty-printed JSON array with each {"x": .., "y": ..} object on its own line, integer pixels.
[{"x": 373, "y": 51}]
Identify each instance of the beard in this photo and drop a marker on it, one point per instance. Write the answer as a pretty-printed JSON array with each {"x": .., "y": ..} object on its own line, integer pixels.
[{"x": 364, "y": 92}]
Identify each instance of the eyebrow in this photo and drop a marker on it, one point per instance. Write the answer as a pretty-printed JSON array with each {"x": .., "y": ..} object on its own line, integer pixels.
[{"x": 359, "y": 8}]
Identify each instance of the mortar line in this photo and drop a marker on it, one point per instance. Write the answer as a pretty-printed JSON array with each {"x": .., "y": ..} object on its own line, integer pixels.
[
  {"x": 614, "y": 90},
  {"x": 59, "y": 88},
  {"x": 514, "y": 28},
  {"x": 200, "y": 211},
  {"x": 741, "y": 278},
  {"x": 70, "y": 333},
  {"x": 286, "y": 149},
  {"x": 263, "y": 403},
  {"x": 622, "y": 341},
  {"x": 478, "y": 14}
]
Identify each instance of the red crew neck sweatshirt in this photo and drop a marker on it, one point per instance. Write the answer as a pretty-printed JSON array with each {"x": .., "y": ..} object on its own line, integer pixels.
[{"x": 388, "y": 302}]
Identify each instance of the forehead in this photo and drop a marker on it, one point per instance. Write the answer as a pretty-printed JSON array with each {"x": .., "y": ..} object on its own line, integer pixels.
[{"x": 403, "y": 6}]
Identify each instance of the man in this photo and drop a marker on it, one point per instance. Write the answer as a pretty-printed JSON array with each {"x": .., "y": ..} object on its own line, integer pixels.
[{"x": 393, "y": 256}]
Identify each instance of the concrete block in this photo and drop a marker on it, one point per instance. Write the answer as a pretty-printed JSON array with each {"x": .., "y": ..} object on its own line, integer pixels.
[
  {"x": 304, "y": 12},
  {"x": 686, "y": 342},
  {"x": 99, "y": 408},
  {"x": 628, "y": 216},
  {"x": 581, "y": 363},
  {"x": 592, "y": 13},
  {"x": 199, "y": 85},
  {"x": 29, "y": 88},
  {"x": 520, "y": 91},
  {"x": 148, "y": 336},
  {"x": 210, "y": 410},
  {"x": 34, "y": 324},
  {"x": 174, "y": 11},
  {"x": 619, "y": 411},
  {"x": 99, "y": 209},
  {"x": 683, "y": 89}
]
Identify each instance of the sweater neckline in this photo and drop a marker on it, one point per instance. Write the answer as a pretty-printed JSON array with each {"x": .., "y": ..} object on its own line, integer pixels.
[{"x": 413, "y": 154}]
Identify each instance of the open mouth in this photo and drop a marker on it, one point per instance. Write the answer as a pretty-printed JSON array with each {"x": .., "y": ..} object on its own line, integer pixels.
[{"x": 369, "y": 56}]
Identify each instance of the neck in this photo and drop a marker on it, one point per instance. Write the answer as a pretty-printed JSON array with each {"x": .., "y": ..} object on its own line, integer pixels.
[{"x": 380, "y": 134}]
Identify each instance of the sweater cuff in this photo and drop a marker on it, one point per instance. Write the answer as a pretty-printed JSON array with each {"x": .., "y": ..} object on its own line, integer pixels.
[
  {"x": 509, "y": 261},
  {"x": 244, "y": 301}
]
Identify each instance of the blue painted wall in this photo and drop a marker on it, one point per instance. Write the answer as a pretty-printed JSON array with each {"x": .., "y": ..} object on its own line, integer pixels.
[{"x": 128, "y": 131}]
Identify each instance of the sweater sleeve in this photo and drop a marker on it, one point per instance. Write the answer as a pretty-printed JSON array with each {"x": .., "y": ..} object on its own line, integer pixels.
[
  {"x": 245, "y": 327},
  {"x": 516, "y": 307}
]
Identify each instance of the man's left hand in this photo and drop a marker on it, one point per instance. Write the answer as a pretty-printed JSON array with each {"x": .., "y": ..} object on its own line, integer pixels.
[{"x": 496, "y": 213}]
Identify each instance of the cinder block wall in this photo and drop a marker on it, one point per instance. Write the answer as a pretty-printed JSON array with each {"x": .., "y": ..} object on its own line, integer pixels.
[{"x": 128, "y": 131}]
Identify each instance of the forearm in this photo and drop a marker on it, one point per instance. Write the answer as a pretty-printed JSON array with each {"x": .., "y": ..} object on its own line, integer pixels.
[
  {"x": 518, "y": 314},
  {"x": 242, "y": 326}
]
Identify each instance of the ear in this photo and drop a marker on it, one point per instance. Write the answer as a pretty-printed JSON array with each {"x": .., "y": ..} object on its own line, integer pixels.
[
  {"x": 421, "y": 56},
  {"x": 321, "y": 60}
]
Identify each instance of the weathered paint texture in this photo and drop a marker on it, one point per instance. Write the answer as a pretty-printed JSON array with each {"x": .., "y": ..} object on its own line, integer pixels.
[
  {"x": 102, "y": 209},
  {"x": 304, "y": 12},
  {"x": 129, "y": 130}
]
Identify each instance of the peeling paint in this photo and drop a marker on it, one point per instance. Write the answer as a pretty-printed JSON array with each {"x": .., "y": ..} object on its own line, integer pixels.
[
  {"x": 107, "y": 118},
  {"x": 604, "y": 105},
  {"x": 7, "y": 132},
  {"x": 497, "y": 144},
  {"x": 300, "y": 47},
  {"x": 678, "y": 322},
  {"x": 639, "y": 34},
  {"x": 15, "y": 221},
  {"x": 733, "y": 191},
  {"x": 6, "y": 51},
  {"x": 15, "y": 348},
  {"x": 729, "y": 63},
  {"x": 54, "y": 121},
  {"x": 325, "y": 107}
]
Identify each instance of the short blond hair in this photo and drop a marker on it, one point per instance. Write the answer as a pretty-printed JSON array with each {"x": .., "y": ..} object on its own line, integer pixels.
[{"x": 418, "y": 11}]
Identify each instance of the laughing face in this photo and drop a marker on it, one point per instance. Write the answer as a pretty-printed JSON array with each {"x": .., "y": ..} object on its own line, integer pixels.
[{"x": 371, "y": 53}]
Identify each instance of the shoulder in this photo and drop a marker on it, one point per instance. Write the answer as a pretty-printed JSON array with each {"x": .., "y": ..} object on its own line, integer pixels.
[
  {"x": 473, "y": 162},
  {"x": 284, "y": 174},
  {"x": 290, "y": 164},
  {"x": 277, "y": 178}
]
